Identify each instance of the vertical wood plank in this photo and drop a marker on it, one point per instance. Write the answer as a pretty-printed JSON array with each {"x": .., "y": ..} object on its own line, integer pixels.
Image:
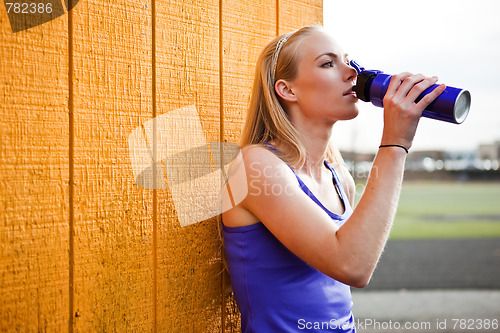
[
  {"x": 34, "y": 177},
  {"x": 247, "y": 27},
  {"x": 113, "y": 250},
  {"x": 187, "y": 69},
  {"x": 294, "y": 14}
]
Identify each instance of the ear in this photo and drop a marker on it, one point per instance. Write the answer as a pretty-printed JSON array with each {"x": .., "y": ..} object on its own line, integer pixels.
[{"x": 284, "y": 90}]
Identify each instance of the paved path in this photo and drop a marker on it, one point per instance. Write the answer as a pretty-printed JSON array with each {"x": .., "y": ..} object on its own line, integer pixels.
[
  {"x": 437, "y": 311},
  {"x": 439, "y": 264},
  {"x": 433, "y": 286}
]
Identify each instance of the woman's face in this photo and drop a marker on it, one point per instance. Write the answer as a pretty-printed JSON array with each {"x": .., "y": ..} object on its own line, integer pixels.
[{"x": 324, "y": 81}]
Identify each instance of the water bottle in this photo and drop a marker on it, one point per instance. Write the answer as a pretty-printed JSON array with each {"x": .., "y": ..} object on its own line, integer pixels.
[{"x": 451, "y": 106}]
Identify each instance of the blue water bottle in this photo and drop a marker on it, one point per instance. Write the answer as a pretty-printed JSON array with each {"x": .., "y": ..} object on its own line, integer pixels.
[{"x": 451, "y": 106}]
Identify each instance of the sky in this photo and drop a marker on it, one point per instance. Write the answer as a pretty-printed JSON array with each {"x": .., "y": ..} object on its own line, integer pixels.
[{"x": 459, "y": 41}]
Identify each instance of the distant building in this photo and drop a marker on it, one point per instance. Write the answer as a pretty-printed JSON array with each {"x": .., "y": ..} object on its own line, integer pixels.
[
  {"x": 428, "y": 160},
  {"x": 357, "y": 157},
  {"x": 482, "y": 163},
  {"x": 489, "y": 151},
  {"x": 488, "y": 156},
  {"x": 358, "y": 164}
]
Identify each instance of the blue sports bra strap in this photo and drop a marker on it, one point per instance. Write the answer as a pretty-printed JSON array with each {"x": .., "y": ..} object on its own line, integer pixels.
[
  {"x": 271, "y": 147},
  {"x": 303, "y": 186},
  {"x": 338, "y": 184}
]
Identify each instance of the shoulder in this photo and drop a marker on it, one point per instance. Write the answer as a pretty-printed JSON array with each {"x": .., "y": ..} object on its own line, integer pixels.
[
  {"x": 259, "y": 179},
  {"x": 264, "y": 169},
  {"x": 259, "y": 152},
  {"x": 261, "y": 162}
]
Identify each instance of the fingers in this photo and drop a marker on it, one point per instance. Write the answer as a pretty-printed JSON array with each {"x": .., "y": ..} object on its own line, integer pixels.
[
  {"x": 418, "y": 88},
  {"x": 405, "y": 88},
  {"x": 411, "y": 87},
  {"x": 395, "y": 83},
  {"x": 427, "y": 99},
  {"x": 401, "y": 109}
]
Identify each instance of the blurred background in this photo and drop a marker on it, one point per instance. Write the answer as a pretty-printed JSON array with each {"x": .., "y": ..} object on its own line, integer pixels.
[{"x": 442, "y": 262}]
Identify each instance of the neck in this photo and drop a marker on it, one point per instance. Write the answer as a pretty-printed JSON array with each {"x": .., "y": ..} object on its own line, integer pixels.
[{"x": 315, "y": 135}]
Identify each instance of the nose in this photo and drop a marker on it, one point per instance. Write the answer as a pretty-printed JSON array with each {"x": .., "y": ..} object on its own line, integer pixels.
[{"x": 350, "y": 73}]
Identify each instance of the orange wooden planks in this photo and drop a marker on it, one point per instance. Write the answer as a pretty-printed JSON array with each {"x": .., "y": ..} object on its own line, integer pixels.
[
  {"x": 187, "y": 69},
  {"x": 248, "y": 26},
  {"x": 34, "y": 228},
  {"x": 130, "y": 264},
  {"x": 294, "y": 14},
  {"x": 113, "y": 250}
]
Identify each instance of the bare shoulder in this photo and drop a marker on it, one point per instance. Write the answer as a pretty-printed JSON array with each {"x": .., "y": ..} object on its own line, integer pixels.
[
  {"x": 264, "y": 164},
  {"x": 259, "y": 153},
  {"x": 266, "y": 176}
]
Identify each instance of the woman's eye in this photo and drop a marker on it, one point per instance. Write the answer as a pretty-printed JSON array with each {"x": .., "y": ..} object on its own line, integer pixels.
[{"x": 327, "y": 64}]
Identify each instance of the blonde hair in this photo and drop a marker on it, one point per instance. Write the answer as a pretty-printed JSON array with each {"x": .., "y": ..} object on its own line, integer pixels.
[{"x": 267, "y": 118}]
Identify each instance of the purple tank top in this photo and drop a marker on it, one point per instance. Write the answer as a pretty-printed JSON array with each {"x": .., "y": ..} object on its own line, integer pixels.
[{"x": 275, "y": 290}]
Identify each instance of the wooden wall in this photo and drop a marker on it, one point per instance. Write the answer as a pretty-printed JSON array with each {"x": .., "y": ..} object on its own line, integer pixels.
[{"x": 82, "y": 247}]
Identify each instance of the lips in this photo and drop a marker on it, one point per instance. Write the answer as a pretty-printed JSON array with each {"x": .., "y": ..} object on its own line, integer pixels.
[{"x": 350, "y": 92}]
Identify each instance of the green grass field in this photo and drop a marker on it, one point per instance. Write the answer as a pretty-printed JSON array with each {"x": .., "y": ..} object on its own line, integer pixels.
[{"x": 447, "y": 210}]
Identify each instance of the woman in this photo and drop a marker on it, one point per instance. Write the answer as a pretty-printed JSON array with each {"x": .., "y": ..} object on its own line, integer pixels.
[{"x": 294, "y": 245}]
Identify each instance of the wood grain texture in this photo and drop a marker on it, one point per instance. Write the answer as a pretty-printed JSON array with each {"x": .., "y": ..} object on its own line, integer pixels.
[
  {"x": 187, "y": 67},
  {"x": 247, "y": 27},
  {"x": 294, "y": 14},
  {"x": 94, "y": 249},
  {"x": 113, "y": 250},
  {"x": 34, "y": 177}
]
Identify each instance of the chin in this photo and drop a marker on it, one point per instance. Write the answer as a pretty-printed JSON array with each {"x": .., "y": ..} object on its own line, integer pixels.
[
  {"x": 343, "y": 114},
  {"x": 355, "y": 114},
  {"x": 350, "y": 115}
]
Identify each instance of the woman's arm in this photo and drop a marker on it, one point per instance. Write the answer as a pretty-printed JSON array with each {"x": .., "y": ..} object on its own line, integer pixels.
[
  {"x": 348, "y": 254},
  {"x": 363, "y": 237},
  {"x": 374, "y": 214}
]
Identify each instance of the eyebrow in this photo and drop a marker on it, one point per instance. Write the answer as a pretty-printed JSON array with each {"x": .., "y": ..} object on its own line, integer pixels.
[{"x": 331, "y": 54}]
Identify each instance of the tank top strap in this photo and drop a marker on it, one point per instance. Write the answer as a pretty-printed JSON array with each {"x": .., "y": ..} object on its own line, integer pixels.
[
  {"x": 271, "y": 147},
  {"x": 337, "y": 184}
]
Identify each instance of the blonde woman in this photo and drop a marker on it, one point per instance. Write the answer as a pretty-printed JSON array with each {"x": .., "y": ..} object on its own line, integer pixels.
[{"x": 295, "y": 245}]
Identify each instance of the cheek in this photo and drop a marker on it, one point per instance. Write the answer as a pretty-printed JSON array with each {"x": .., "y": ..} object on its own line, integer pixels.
[
  {"x": 330, "y": 85},
  {"x": 319, "y": 77},
  {"x": 322, "y": 88},
  {"x": 319, "y": 90}
]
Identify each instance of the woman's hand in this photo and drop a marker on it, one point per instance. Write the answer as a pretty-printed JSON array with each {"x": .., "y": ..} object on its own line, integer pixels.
[{"x": 401, "y": 113}]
